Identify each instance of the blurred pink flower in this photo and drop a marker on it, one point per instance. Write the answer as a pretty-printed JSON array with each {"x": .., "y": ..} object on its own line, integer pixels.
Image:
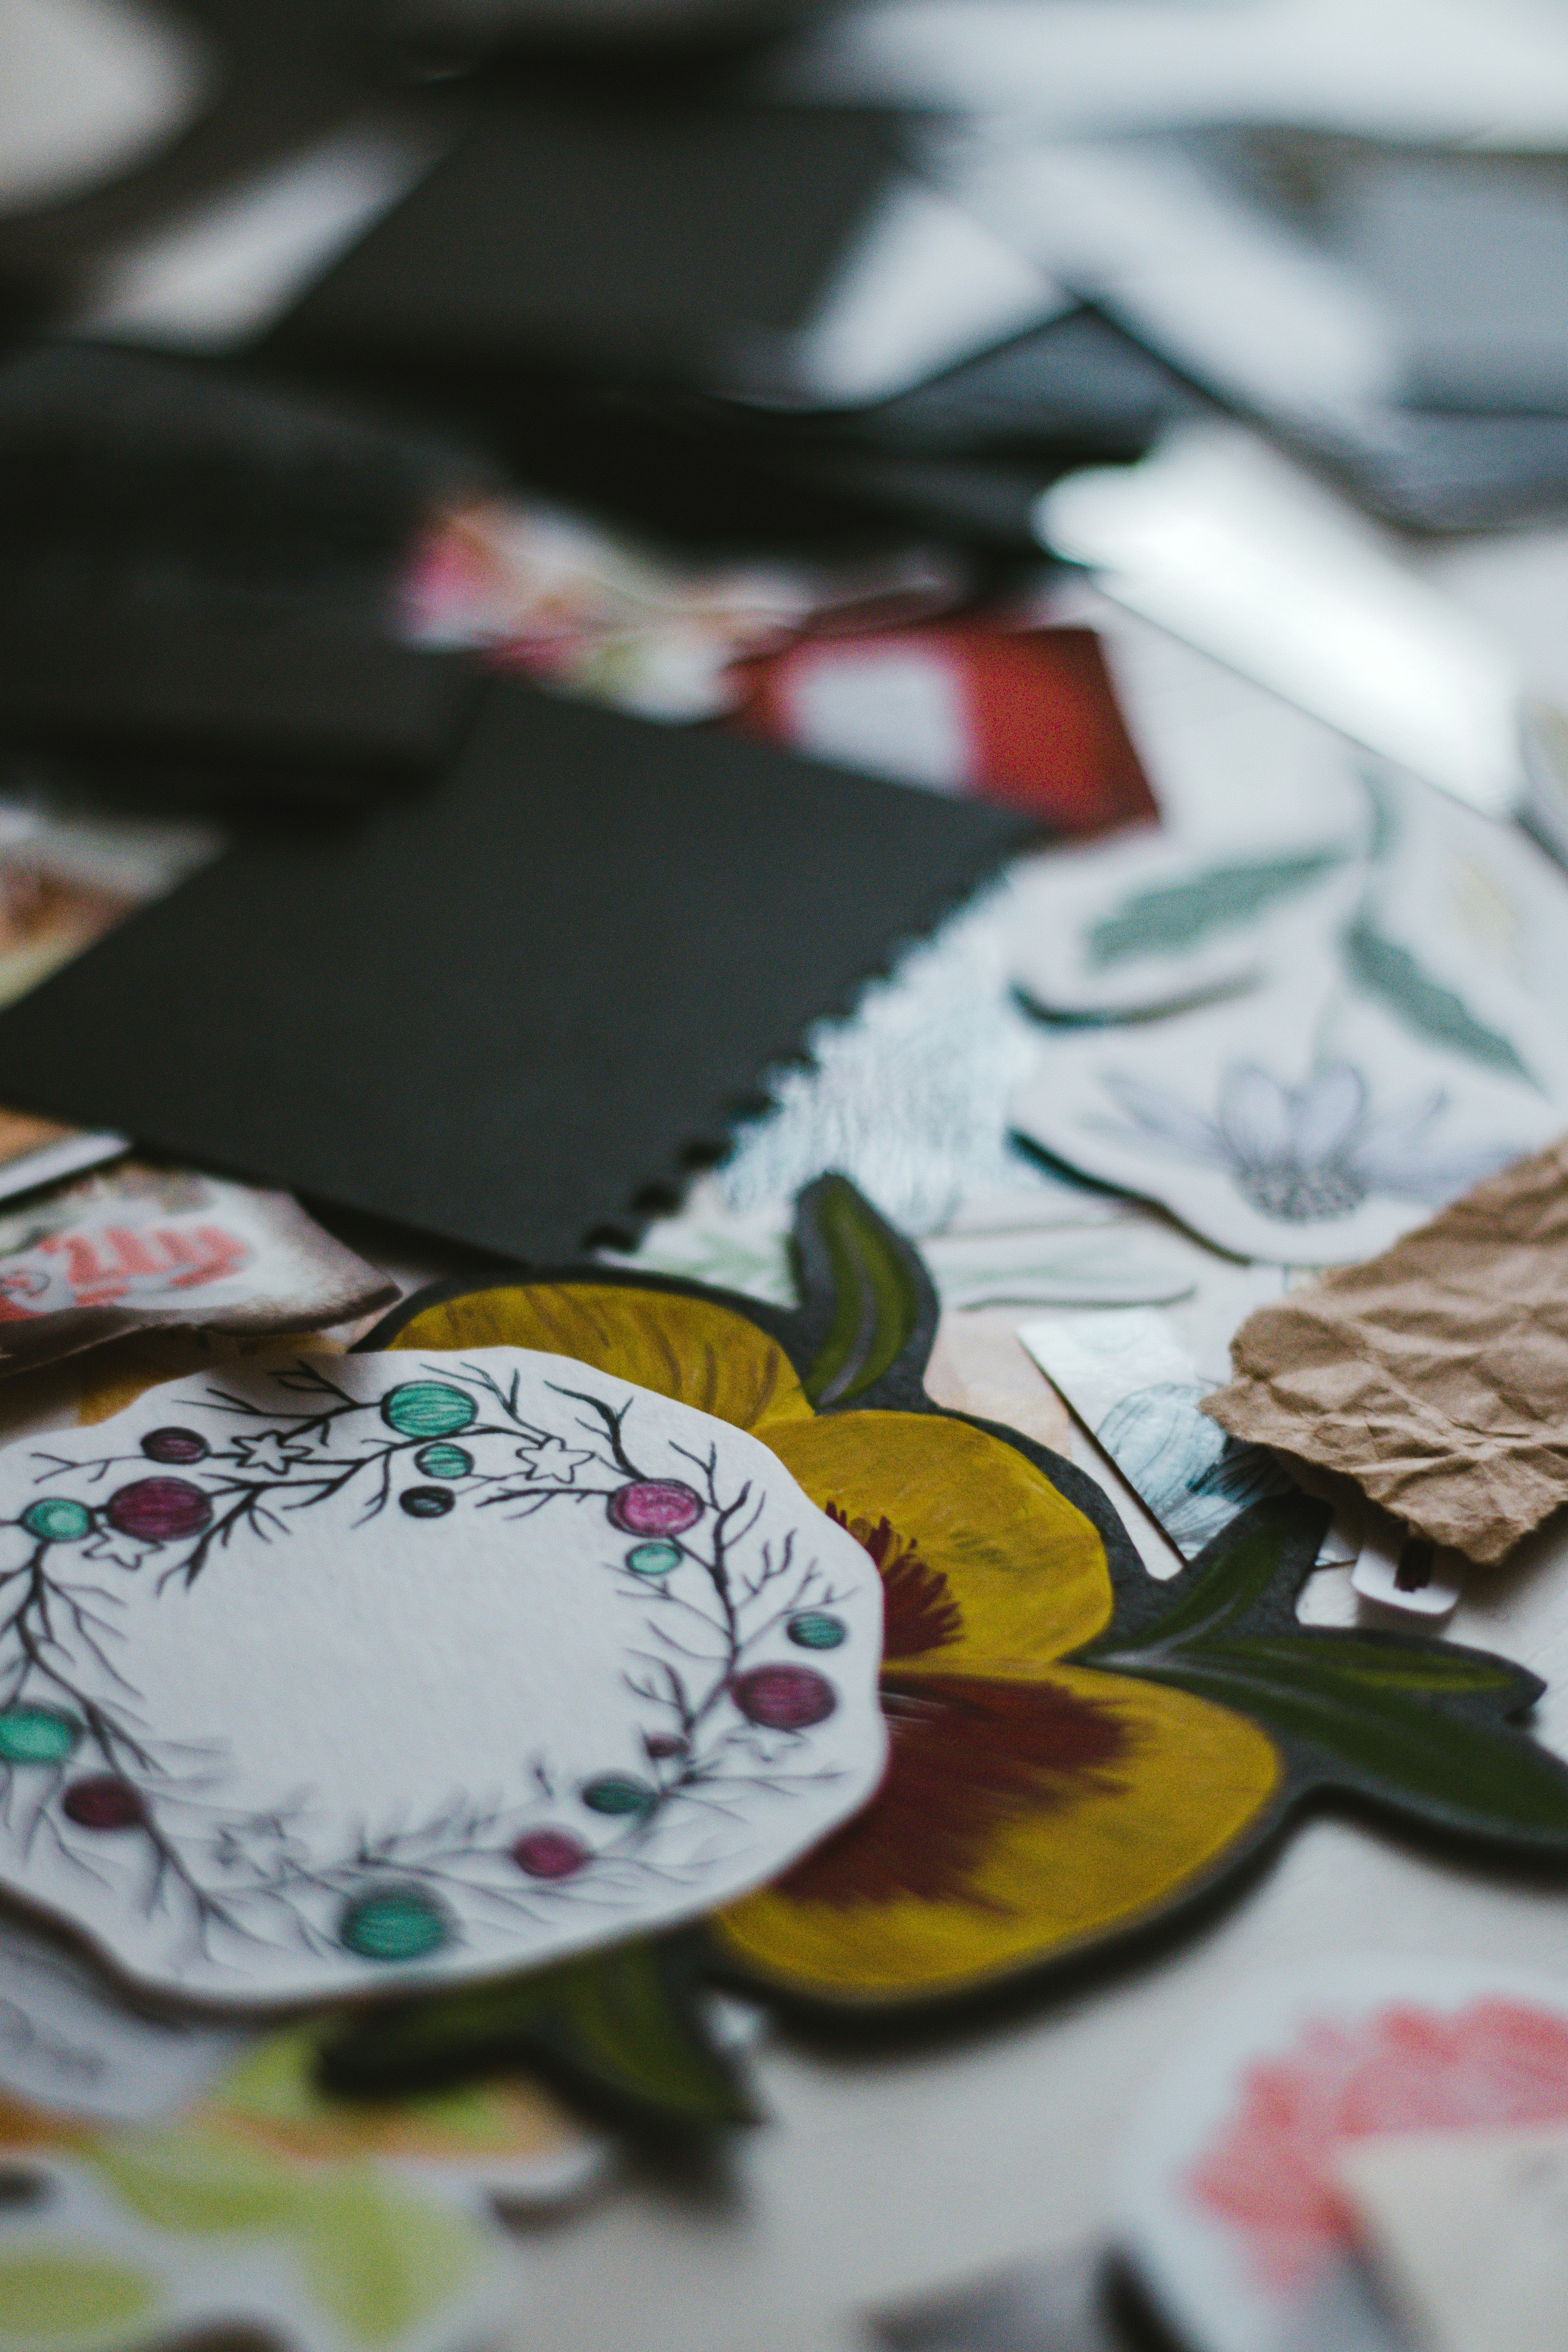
[{"x": 1269, "y": 2169}]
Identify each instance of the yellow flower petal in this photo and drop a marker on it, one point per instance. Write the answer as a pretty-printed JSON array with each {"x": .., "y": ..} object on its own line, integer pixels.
[
  {"x": 1025, "y": 1568},
  {"x": 1103, "y": 1849},
  {"x": 701, "y": 1354}
]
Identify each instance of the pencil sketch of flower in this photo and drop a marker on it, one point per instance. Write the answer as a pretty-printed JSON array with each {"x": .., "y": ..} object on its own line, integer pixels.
[{"x": 1302, "y": 1154}]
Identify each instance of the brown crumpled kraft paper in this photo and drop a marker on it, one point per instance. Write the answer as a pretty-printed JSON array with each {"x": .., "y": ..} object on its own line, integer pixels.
[{"x": 1436, "y": 1376}]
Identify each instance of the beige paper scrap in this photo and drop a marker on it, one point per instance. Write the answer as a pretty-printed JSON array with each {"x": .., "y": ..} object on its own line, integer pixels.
[
  {"x": 1467, "y": 2234},
  {"x": 1434, "y": 1376}
]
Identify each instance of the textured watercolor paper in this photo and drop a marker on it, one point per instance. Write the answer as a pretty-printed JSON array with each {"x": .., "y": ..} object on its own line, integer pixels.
[
  {"x": 1138, "y": 1393},
  {"x": 1307, "y": 1123},
  {"x": 1293, "y": 1041},
  {"x": 328, "y": 1677}
]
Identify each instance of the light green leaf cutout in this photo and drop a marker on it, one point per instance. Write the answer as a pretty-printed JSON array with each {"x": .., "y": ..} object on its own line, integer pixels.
[
  {"x": 49, "y": 2295},
  {"x": 1172, "y": 914},
  {"x": 200, "y": 2183},
  {"x": 379, "y": 2259},
  {"x": 1384, "y": 968}
]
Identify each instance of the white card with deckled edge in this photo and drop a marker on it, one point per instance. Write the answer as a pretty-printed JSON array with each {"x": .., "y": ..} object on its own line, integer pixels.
[
  {"x": 1306, "y": 1124},
  {"x": 1468, "y": 2234},
  {"x": 317, "y": 1678}
]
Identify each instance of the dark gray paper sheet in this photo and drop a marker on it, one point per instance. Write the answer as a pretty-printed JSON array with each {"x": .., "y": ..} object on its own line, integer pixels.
[{"x": 500, "y": 1011}]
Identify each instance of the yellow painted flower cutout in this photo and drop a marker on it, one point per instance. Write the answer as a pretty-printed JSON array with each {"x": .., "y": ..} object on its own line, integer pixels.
[{"x": 1076, "y": 1750}]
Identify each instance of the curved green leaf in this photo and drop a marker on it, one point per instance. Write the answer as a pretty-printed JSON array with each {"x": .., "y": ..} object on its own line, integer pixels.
[
  {"x": 1419, "y": 1726},
  {"x": 1384, "y": 968},
  {"x": 1171, "y": 914},
  {"x": 865, "y": 1282},
  {"x": 1257, "y": 1562},
  {"x": 622, "y": 2023}
]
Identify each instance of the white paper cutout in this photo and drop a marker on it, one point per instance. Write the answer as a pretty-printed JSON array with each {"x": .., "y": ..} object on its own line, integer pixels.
[
  {"x": 1467, "y": 2234},
  {"x": 1404, "y": 1039},
  {"x": 1352, "y": 2046},
  {"x": 69, "y": 2046},
  {"x": 1305, "y": 1124},
  {"x": 319, "y": 1678},
  {"x": 1409, "y": 1575}
]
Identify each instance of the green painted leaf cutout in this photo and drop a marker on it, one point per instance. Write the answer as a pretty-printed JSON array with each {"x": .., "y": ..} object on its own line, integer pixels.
[
  {"x": 49, "y": 2294},
  {"x": 380, "y": 2258},
  {"x": 1238, "y": 1571},
  {"x": 198, "y": 2181},
  {"x": 1382, "y": 968},
  {"x": 1172, "y": 914},
  {"x": 1417, "y": 1728},
  {"x": 874, "y": 1286},
  {"x": 622, "y": 2024}
]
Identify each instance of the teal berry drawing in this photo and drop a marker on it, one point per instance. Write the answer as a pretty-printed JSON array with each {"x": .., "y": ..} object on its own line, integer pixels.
[
  {"x": 394, "y": 1923},
  {"x": 618, "y": 1792},
  {"x": 443, "y": 1461},
  {"x": 55, "y": 1520},
  {"x": 653, "y": 1559},
  {"x": 37, "y": 1735},
  {"x": 428, "y": 1409},
  {"x": 815, "y": 1629},
  {"x": 425, "y": 1502}
]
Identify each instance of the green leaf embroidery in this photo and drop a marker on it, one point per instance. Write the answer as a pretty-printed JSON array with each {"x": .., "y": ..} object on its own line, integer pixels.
[
  {"x": 48, "y": 2293},
  {"x": 1222, "y": 899},
  {"x": 1382, "y": 968},
  {"x": 379, "y": 2259},
  {"x": 876, "y": 1293},
  {"x": 620, "y": 2023}
]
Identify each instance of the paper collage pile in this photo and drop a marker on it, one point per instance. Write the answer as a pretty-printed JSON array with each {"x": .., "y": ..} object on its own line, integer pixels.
[{"x": 784, "y": 1176}]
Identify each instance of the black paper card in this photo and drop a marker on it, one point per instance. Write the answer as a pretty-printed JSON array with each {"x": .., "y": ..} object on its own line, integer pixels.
[
  {"x": 501, "y": 1010},
  {"x": 587, "y": 229}
]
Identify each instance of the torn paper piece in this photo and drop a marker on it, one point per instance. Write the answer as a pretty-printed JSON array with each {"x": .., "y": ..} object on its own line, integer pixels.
[
  {"x": 146, "y": 1248},
  {"x": 1434, "y": 1376},
  {"x": 1467, "y": 2234}
]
